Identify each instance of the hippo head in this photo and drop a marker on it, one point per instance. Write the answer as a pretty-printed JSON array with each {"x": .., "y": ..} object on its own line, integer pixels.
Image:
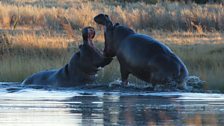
[
  {"x": 88, "y": 34},
  {"x": 104, "y": 20}
]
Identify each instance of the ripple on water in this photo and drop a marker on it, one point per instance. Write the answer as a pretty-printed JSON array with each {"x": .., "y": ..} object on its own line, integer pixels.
[{"x": 99, "y": 106}]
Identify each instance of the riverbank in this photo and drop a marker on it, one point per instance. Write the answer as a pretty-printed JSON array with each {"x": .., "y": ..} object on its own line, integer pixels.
[
  {"x": 37, "y": 35},
  {"x": 27, "y": 54}
]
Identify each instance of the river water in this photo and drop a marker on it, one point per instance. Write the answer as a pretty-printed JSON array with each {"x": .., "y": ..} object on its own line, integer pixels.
[{"x": 26, "y": 106}]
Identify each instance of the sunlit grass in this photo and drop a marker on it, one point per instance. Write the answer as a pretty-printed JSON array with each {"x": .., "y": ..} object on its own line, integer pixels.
[
  {"x": 21, "y": 59},
  {"x": 138, "y": 15}
]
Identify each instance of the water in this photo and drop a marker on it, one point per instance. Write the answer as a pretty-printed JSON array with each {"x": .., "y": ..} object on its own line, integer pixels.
[{"x": 25, "y": 106}]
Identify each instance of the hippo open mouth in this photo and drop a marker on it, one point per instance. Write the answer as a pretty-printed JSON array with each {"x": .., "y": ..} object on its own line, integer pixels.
[
  {"x": 101, "y": 19},
  {"x": 81, "y": 69},
  {"x": 91, "y": 34},
  {"x": 104, "y": 20}
]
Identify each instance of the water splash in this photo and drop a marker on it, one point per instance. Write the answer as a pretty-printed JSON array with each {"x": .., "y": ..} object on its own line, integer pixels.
[
  {"x": 194, "y": 84},
  {"x": 194, "y": 81}
]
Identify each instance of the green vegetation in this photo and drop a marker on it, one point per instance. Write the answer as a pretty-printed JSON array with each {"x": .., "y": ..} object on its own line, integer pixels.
[
  {"x": 205, "y": 61},
  {"x": 37, "y": 35}
]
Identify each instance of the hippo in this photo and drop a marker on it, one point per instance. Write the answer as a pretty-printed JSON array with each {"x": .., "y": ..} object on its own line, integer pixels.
[
  {"x": 142, "y": 56},
  {"x": 81, "y": 69}
]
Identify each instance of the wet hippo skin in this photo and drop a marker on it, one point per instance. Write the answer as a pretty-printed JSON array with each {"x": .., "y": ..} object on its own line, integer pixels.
[
  {"x": 141, "y": 55},
  {"x": 81, "y": 68}
]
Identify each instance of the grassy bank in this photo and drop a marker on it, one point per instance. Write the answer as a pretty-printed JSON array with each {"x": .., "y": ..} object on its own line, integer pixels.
[
  {"x": 202, "y": 55},
  {"x": 37, "y": 35}
]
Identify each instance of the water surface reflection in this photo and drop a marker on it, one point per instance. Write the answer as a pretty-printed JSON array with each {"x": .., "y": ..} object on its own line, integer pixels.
[
  {"x": 83, "y": 107},
  {"x": 147, "y": 110}
]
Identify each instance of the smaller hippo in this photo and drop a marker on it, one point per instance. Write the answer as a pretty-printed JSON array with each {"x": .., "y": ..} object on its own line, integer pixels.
[{"x": 81, "y": 68}]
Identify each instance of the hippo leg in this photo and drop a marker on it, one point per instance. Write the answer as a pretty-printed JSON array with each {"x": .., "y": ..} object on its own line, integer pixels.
[{"x": 124, "y": 76}]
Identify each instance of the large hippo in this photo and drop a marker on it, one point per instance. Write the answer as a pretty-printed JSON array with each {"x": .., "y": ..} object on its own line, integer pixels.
[
  {"x": 141, "y": 55},
  {"x": 81, "y": 68}
]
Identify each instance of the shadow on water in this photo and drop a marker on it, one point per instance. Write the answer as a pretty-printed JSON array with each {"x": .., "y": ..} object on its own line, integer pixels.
[{"x": 78, "y": 106}]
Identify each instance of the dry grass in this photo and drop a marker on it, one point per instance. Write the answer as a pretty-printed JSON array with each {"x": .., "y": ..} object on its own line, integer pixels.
[
  {"x": 166, "y": 16},
  {"x": 30, "y": 53}
]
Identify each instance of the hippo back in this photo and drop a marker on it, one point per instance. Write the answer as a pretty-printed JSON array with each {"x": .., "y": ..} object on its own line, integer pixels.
[{"x": 150, "y": 60}]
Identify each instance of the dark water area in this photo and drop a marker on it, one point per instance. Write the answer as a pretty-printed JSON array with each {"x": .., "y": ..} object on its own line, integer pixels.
[{"x": 35, "y": 106}]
